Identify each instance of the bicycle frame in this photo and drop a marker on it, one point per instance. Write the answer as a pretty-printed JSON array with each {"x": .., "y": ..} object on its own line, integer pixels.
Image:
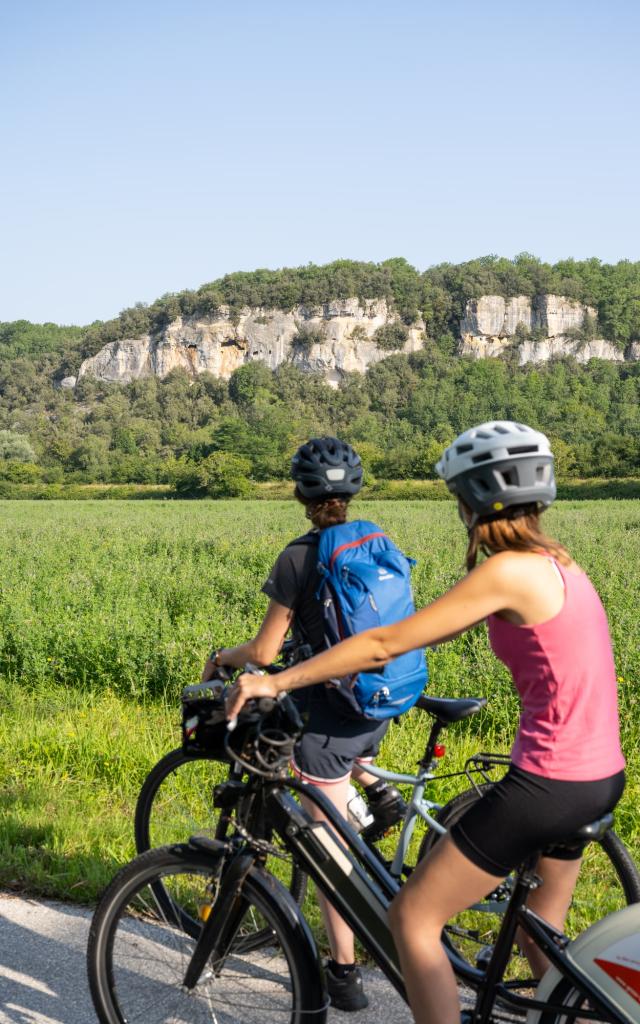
[
  {"x": 360, "y": 887},
  {"x": 419, "y": 807}
]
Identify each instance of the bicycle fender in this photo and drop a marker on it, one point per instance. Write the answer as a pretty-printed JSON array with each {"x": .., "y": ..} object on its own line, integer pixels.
[
  {"x": 608, "y": 954},
  {"x": 212, "y": 847}
]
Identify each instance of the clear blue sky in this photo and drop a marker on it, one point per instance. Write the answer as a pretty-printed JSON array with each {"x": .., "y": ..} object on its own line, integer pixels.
[{"x": 152, "y": 146}]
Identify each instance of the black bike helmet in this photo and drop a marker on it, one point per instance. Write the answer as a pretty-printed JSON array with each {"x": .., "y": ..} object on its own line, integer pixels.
[{"x": 326, "y": 467}]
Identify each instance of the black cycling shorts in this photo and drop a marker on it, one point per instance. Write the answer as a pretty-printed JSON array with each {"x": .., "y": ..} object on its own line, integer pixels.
[
  {"x": 524, "y": 813},
  {"x": 332, "y": 743}
]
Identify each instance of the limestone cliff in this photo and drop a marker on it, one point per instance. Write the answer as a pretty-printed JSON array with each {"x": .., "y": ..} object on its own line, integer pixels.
[
  {"x": 335, "y": 339},
  {"x": 338, "y": 338},
  {"x": 538, "y": 328}
]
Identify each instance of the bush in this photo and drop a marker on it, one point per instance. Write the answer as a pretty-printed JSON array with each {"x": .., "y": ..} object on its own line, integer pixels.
[
  {"x": 15, "y": 446},
  {"x": 20, "y": 472},
  {"x": 391, "y": 337},
  {"x": 220, "y": 475},
  {"x": 306, "y": 338},
  {"x": 224, "y": 475}
]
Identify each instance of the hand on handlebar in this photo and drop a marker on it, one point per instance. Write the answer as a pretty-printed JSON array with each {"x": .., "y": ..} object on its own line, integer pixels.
[{"x": 247, "y": 687}]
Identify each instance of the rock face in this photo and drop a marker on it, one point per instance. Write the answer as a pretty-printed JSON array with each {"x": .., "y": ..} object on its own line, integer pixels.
[
  {"x": 338, "y": 336},
  {"x": 539, "y": 328}
]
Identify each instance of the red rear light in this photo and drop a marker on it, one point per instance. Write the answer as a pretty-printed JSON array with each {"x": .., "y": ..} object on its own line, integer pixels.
[{"x": 439, "y": 750}]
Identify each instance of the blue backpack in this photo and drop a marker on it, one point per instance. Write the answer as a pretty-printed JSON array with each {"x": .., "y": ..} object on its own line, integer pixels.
[{"x": 366, "y": 583}]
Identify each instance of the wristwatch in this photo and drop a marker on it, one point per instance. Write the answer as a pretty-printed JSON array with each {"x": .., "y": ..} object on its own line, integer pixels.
[{"x": 214, "y": 656}]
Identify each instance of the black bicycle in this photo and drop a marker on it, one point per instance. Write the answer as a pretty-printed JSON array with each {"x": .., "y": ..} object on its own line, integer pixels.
[
  {"x": 145, "y": 966},
  {"x": 176, "y": 801}
]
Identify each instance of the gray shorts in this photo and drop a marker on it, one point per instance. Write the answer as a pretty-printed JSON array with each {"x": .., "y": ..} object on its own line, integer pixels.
[{"x": 332, "y": 743}]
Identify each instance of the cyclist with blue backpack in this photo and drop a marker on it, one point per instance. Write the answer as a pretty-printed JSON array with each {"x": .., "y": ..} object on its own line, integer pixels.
[
  {"x": 547, "y": 625},
  {"x": 314, "y": 591}
]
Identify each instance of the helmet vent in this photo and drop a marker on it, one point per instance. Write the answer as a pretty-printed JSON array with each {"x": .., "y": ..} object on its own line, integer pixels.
[
  {"x": 510, "y": 477},
  {"x": 482, "y": 457},
  {"x": 499, "y": 429},
  {"x": 523, "y": 449},
  {"x": 462, "y": 448}
]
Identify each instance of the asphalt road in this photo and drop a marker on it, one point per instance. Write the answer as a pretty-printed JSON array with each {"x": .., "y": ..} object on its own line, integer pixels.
[{"x": 43, "y": 975}]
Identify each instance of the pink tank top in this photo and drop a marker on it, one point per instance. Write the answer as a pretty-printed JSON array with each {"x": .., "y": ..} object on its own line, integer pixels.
[{"x": 564, "y": 673}]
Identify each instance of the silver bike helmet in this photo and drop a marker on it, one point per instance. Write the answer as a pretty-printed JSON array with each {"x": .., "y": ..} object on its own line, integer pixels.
[
  {"x": 499, "y": 465},
  {"x": 326, "y": 467}
]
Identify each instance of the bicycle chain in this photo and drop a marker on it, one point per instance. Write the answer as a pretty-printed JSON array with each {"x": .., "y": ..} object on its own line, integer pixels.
[{"x": 260, "y": 844}]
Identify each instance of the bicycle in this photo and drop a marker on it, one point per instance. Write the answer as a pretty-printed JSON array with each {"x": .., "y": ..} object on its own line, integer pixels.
[
  {"x": 608, "y": 881},
  {"x": 140, "y": 955}
]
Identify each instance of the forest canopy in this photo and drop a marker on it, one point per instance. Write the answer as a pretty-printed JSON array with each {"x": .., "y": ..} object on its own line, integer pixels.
[{"x": 200, "y": 433}]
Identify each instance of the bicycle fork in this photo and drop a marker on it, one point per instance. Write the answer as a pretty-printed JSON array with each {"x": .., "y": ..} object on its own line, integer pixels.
[{"x": 221, "y": 926}]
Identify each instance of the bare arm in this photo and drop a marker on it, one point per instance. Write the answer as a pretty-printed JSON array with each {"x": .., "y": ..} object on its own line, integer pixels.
[
  {"x": 264, "y": 647},
  {"x": 485, "y": 590}
]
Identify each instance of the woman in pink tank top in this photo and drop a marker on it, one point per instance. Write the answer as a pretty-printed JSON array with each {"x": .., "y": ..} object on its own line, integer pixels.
[{"x": 547, "y": 624}]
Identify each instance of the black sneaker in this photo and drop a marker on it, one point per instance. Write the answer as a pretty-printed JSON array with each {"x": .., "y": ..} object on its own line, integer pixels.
[
  {"x": 388, "y": 808},
  {"x": 346, "y": 993}
]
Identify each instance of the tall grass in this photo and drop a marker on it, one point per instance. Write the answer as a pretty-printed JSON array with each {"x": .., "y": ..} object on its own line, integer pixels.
[{"x": 108, "y": 609}]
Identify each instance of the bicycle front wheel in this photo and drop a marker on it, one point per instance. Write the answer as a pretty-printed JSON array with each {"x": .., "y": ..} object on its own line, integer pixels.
[
  {"x": 138, "y": 952},
  {"x": 608, "y": 881},
  {"x": 176, "y": 801}
]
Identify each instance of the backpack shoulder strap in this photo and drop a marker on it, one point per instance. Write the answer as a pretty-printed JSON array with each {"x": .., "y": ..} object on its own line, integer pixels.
[{"x": 307, "y": 540}]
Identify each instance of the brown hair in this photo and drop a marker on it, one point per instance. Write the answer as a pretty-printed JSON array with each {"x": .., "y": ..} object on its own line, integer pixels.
[
  {"x": 518, "y": 531},
  {"x": 324, "y": 512}
]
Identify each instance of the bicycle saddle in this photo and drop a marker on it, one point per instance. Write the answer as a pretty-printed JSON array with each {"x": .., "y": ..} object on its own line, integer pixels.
[
  {"x": 589, "y": 833},
  {"x": 448, "y": 710}
]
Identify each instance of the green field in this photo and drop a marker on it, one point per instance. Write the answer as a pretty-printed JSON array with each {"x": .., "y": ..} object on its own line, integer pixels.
[{"x": 108, "y": 608}]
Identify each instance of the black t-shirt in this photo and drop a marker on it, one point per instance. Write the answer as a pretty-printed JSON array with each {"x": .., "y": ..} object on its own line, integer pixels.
[{"x": 294, "y": 581}]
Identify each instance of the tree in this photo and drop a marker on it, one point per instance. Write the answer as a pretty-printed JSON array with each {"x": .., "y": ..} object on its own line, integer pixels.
[
  {"x": 15, "y": 447},
  {"x": 391, "y": 337},
  {"x": 247, "y": 381},
  {"x": 223, "y": 475}
]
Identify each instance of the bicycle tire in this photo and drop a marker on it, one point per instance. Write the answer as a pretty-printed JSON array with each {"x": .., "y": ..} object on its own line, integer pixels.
[
  {"x": 564, "y": 994},
  {"x": 172, "y": 805},
  {"x": 137, "y": 955},
  {"x": 608, "y": 880}
]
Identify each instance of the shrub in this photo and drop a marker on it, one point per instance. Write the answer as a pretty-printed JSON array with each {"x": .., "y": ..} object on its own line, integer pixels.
[
  {"x": 20, "y": 472},
  {"x": 306, "y": 338},
  {"x": 224, "y": 475},
  {"x": 391, "y": 337},
  {"x": 220, "y": 475},
  {"x": 15, "y": 446},
  {"x": 521, "y": 333}
]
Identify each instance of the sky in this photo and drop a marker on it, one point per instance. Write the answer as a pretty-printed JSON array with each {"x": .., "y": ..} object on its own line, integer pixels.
[{"x": 150, "y": 146}]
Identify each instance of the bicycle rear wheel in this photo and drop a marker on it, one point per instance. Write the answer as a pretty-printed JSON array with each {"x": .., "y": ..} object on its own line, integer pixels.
[
  {"x": 176, "y": 801},
  {"x": 565, "y": 994},
  {"x": 138, "y": 953},
  {"x": 608, "y": 881}
]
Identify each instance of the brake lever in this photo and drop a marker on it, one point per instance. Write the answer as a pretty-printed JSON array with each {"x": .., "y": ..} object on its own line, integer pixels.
[{"x": 290, "y": 709}]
